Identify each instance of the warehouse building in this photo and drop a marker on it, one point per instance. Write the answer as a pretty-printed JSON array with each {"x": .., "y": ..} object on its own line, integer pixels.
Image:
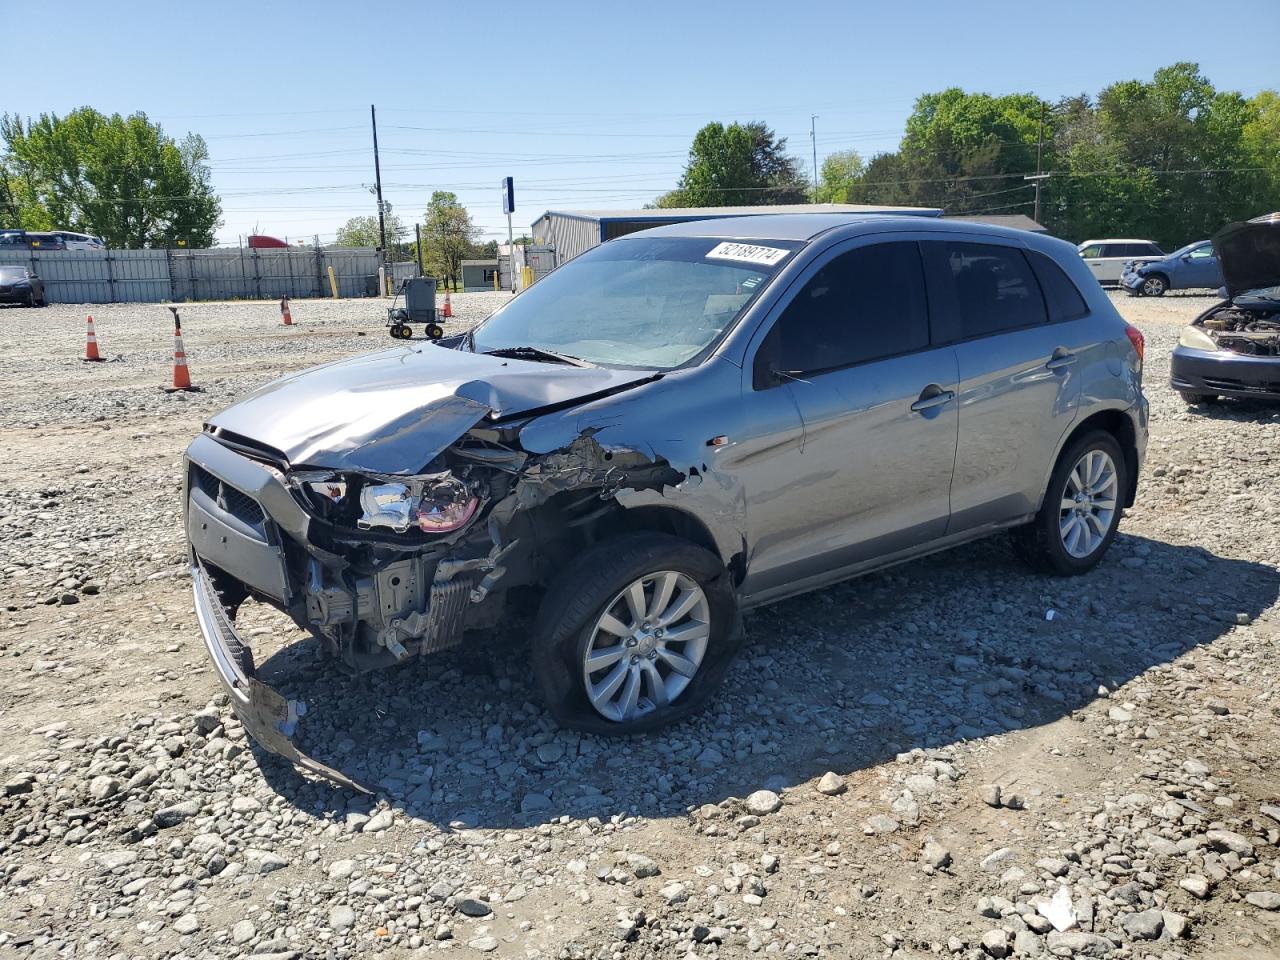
[
  {"x": 571, "y": 232},
  {"x": 566, "y": 233}
]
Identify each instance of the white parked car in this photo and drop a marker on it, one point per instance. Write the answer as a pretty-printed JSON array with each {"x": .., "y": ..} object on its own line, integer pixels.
[
  {"x": 80, "y": 241},
  {"x": 1106, "y": 258}
]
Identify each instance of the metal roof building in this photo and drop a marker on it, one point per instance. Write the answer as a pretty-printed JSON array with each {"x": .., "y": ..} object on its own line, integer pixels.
[
  {"x": 572, "y": 232},
  {"x": 1015, "y": 221}
]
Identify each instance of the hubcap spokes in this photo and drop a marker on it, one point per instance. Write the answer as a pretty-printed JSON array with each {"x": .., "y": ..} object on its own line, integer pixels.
[
  {"x": 1088, "y": 506},
  {"x": 646, "y": 645}
]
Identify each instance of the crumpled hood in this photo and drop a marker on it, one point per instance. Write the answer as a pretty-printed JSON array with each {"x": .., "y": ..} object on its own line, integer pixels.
[
  {"x": 393, "y": 411},
  {"x": 1249, "y": 254}
]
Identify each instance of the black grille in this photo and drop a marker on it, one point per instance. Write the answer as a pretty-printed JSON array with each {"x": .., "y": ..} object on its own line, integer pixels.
[
  {"x": 237, "y": 503},
  {"x": 1255, "y": 387}
]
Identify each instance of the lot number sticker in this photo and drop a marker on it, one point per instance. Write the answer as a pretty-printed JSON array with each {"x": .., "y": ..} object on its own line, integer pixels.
[{"x": 747, "y": 253}]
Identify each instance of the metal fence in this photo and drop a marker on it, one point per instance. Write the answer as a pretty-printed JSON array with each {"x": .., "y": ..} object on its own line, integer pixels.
[{"x": 151, "y": 276}]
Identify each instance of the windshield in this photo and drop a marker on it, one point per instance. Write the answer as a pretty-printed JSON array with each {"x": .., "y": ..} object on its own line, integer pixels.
[
  {"x": 10, "y": 274},
  {"x": 653, "y": 303}
]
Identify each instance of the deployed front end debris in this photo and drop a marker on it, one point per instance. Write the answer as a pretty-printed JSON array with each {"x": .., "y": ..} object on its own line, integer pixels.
[{"x": 383, "y": 568}]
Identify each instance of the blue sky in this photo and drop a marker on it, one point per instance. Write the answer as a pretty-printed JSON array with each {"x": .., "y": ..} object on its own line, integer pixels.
[{"x": 587, "y": 105}]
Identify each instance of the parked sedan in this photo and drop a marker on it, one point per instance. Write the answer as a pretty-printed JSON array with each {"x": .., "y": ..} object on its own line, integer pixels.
[
  {"x": 1195, "y": 265},
  {"x": 1233, "y": 348},
  {"x": 20, "y": 285},
  {"x": 671, "y": 428}
]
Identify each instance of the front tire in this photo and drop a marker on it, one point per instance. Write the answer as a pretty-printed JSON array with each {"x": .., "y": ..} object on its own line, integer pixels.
[
  {"x": 1154, "y": 285},
  {"x": 1195, "y": 398},
  {"x": 636, "y": 633},
  {"x": 1081, "y": 510}
]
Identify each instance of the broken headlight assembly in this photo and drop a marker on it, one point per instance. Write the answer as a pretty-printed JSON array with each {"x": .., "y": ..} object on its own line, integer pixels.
[{"x": 436, "y": 504}]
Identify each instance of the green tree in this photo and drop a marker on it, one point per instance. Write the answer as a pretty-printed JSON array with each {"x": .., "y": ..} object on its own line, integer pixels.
[
  {"x": 363, "y": 232},
  {"x": 448, "y": 236},
  {"x": 737, "y": 165},
  {"x": 121, "y": 178},
  {"x": 840, "y": 174},
  {"x": 1172, "y": 159}
]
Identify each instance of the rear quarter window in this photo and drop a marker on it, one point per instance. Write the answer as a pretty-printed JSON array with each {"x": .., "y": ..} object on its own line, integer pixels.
[{"x": 1061, "y": 296}]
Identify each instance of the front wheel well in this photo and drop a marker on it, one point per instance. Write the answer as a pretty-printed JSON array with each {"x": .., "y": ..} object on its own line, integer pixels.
[{"x": 1120, "y": 425}]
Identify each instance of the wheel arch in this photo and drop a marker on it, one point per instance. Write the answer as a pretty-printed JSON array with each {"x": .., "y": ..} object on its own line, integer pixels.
[
  {"x": 665, "y": 518},
  {"x": 1117, "y": 422}
]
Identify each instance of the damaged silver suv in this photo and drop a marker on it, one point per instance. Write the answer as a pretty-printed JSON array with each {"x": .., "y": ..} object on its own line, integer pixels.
[{"x": 673, "y": 427}]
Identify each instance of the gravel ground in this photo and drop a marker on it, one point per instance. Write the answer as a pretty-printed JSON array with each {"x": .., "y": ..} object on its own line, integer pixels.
[{"x": 917, "y": 763}]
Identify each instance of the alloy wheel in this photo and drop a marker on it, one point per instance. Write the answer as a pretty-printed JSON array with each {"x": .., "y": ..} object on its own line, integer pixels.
[
  {"x": 1089, "y": 503},
  {"x": 646, "y": 645}
]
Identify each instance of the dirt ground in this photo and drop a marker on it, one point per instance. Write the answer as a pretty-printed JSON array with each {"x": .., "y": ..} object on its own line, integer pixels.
[{"x": 839, "y": 799}]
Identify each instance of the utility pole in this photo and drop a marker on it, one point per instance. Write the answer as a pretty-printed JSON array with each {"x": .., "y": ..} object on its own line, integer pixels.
[
  {"x": 1039, "y": 160},
  {"x": 377, "y": 179},
  {"x": 417, "y": 234},
  {"x": 813, "y": 136}
]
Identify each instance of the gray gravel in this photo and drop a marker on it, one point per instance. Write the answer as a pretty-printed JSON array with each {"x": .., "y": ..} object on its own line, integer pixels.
[{"x": 910, "y": 764}]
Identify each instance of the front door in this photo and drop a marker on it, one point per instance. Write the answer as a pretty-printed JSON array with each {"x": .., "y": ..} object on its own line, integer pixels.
[
  {"x": 1200, "y": 268},
  {"x": 852, "y": 350}
]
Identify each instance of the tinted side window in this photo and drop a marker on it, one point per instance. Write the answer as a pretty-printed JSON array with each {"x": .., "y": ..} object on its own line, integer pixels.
[
  {"x": 1061, "y": 295},
  {"x": 995, "y": 289},
  {"x": 866, "y": 304}
]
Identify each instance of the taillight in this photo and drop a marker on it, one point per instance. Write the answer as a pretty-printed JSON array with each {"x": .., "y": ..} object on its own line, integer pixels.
[{"x": 1138, "y": 340}]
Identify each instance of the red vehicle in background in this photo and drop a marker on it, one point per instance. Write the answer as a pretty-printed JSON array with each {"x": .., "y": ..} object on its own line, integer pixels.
[{"x": 258, "y": 241}]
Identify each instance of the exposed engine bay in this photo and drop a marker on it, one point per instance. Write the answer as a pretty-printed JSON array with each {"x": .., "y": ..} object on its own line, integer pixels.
[{"x": 1251, "y": 332}]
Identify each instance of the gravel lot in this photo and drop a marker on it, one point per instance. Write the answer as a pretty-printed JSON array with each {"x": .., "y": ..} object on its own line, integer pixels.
[{"x": 918, "y": 763}]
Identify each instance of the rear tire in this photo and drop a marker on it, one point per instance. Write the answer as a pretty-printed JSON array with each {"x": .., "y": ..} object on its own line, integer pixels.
[
  {"x": 589, "y": 591},
  {"x": 1195, "y": 398},
  {"x": 1071, "y": 541}
]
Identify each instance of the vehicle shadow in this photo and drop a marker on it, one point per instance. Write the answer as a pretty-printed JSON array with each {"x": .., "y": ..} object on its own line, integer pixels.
[
  {"x": 953, "y": 647},
  {"x": 1237, "y": 409}
]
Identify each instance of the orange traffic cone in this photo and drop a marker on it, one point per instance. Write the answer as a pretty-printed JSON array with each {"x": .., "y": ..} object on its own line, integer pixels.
[
  {"x": 448, "y": 307},
  {"x": 181, "y": 376},
  {"x": 284, "y": 312},
  {"x": 91, "y": 346}
]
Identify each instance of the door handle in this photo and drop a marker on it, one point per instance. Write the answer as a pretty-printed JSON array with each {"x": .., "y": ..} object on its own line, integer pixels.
[
  {"x": 1060, "y": 360},
  {"x": 928, "y": 401}
]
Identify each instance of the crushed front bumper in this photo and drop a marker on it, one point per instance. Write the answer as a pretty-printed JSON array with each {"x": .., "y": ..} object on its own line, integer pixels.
[
  {"x": 268, "y": 717},
  {"x": 1223, "y": 373}
]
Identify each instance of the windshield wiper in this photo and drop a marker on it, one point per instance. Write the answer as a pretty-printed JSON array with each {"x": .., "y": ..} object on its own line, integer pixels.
[{"x": 538, "y": 353}]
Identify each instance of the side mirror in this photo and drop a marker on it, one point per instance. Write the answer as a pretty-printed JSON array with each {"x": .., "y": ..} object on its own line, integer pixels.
[
  {"x": 1222, "y": 292},
  {"x": 1185, "y": 258}
]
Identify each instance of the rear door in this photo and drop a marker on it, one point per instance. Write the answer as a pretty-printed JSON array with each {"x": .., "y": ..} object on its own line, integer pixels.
[
  {"x": 1019, "y": 384},
  {"x": 852, "y": 348}
]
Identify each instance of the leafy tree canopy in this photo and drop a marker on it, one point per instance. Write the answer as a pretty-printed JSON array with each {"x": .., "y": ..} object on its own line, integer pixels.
[
  {"x": 363, "y": 232},
  {"x": 120, "y": 178},
  {"x": 1170, "y": 158},
  {"x": 737, "y": 165}
]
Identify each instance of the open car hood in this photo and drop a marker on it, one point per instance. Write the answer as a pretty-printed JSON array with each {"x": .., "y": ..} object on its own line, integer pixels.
[
  {"x": 393, "y": 411},
  {"x": 1249, "y": 254}
]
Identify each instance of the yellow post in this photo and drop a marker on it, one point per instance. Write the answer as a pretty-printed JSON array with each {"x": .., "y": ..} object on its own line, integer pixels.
[
  {"x": 333, "y": 282},
  {"x": 526, "y": 277},
  {"x": 495, "y": 278}
]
